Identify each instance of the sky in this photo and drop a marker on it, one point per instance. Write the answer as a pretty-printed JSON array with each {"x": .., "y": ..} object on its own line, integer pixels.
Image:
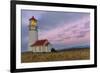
[{"x": 62, "y": 29}]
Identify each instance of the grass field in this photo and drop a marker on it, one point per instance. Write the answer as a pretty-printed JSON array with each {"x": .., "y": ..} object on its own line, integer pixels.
[{"x": 73, "y": 54}]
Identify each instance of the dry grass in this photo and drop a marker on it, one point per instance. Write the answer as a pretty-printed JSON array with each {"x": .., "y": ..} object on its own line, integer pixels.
[{"x": 79, "y": 54}]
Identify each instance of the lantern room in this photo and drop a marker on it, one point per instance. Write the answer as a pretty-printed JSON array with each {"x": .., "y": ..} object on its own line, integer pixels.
[{"x": 32, "y": 23}]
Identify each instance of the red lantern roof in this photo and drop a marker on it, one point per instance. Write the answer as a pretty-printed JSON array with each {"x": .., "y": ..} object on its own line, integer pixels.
[{"x": 33, "y": 18}]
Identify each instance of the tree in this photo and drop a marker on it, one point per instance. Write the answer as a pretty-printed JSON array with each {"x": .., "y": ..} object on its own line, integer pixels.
[{"x": 53, "y": 50}]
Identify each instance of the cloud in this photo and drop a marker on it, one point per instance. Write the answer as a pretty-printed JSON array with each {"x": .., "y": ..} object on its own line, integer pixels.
[
  {"x": 49, "y": 19},
  {"x": 86, "y": 25},
  {"x": 68, "y": 33}
]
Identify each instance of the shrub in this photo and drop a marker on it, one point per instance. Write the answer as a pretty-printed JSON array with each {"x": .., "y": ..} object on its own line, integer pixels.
[{"x": 53, "y": 50}]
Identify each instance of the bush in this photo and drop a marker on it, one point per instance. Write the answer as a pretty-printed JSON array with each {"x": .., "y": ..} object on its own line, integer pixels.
[{"x": 53, "y": 50}]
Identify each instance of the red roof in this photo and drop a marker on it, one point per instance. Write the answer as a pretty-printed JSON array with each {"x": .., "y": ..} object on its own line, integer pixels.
[
  {"x": 33, "y": 18},
  {"x": 41, "y": 42}
]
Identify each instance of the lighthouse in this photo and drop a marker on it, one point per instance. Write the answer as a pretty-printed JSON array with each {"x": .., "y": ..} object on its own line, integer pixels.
[
  {"x": 33, "y": 32},
  {"x": 36, "y": 45}
]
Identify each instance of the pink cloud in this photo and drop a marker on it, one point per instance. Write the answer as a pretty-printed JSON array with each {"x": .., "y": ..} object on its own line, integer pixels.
[{"x": 68, "y": 33}]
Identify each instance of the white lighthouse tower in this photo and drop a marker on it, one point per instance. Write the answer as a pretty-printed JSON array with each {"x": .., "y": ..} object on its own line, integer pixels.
[{"x": 33, "y": 33}]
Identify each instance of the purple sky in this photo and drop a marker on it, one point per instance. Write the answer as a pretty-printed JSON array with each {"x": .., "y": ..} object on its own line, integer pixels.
[{"x": 62, "y": 29}]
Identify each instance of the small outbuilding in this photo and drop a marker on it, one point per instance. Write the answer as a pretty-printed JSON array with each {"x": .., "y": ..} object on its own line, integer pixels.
[{"x": 41, "y": 46}]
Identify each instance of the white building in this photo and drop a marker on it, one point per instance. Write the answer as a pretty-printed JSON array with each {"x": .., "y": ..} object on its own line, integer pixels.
[{"x": 41, "y": 46}]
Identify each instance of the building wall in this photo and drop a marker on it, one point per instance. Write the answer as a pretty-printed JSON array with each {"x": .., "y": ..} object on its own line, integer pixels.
[
  {"x": 49, "y": 47},
  {"x": 33, "y": 37},
  {"x": 41, "y": 49}
]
